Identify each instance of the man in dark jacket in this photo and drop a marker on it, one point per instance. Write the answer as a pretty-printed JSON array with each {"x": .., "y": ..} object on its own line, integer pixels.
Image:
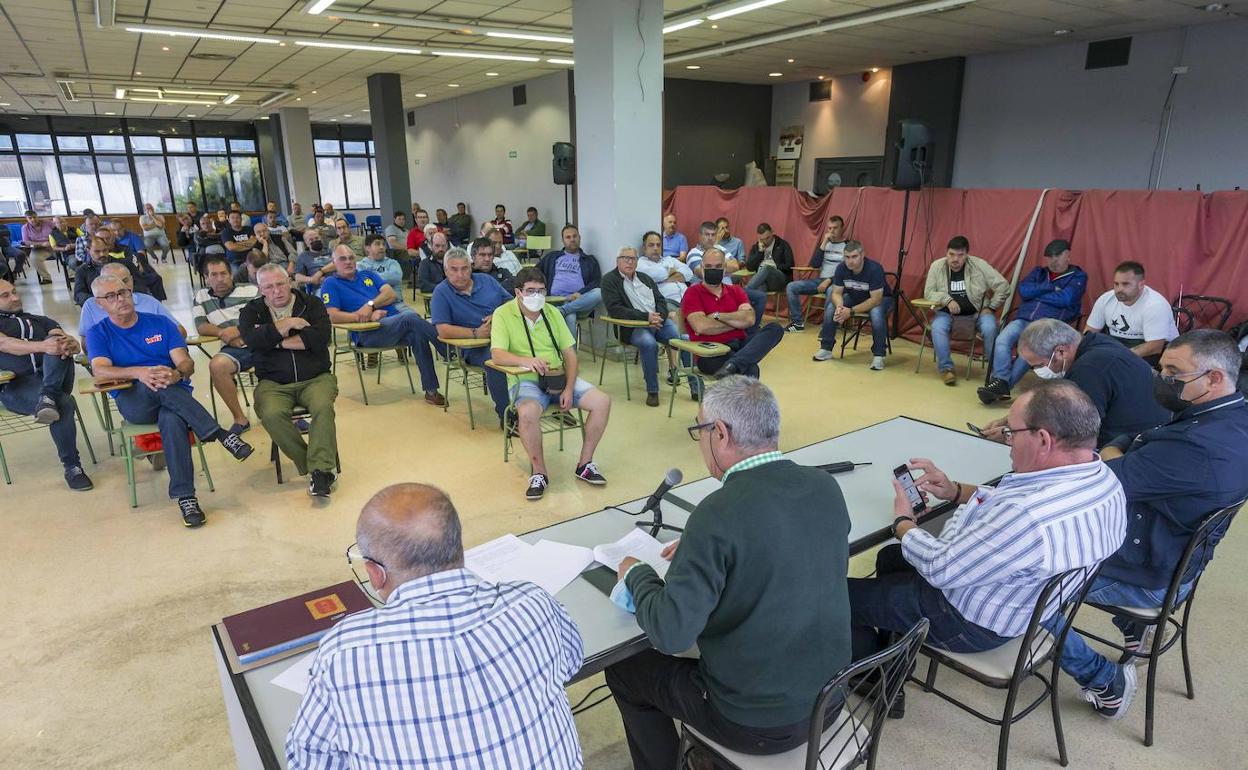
[
  {"x": 633, "y": 296},
  {"x": 288, "y": 335},
  {"x": 771, "y": 259},
  {"x": 98, "y": 256},
  {"x": 1054, "y": 290},
  {"x": 431, "y": 272},
  {"x": 483, "y": 262},
  {"x": 573, "y": 274},
  {"x": 1174, "y": 476}
]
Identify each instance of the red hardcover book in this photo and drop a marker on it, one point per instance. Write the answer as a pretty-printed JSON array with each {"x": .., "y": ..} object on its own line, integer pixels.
[{"x": 295, "y": 622}]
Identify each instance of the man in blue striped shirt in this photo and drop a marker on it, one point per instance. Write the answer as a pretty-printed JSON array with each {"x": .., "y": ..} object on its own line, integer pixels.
[
  {"x": 451, "y": 673},
  {"x": 978, "y": 581}
]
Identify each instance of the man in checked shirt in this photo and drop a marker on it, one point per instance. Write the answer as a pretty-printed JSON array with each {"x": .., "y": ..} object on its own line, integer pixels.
[{"x": 451, "y": 672}]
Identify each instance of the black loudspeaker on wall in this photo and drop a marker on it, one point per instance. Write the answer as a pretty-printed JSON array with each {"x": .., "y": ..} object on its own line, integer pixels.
[
  {"x": 564, "y": 163},
  {"x": 914, "y": 156}
]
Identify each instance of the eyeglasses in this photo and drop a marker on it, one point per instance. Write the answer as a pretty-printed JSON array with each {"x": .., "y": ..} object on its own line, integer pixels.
[
  {"x": 355, "y": 560},
  {"x": 627, "y": 258},
  {"x": 533, "y": 292},
  {"x": 1007, "y": 433},
  {"x": 1171, "y": 379},
  {"x": 113, "y": 296},
  {"x": 695, "y": 431}
]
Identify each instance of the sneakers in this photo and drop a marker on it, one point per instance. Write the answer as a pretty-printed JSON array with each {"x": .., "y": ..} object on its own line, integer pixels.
[
  {"x": 239, "y": 428},
  {"x": 877, "y": 363},
  {"x": 652, "y": 399},
  {"x": 46, "y": 412},
  {"x": 435, "y": 398},
  {"x": 320, "y": 484},
  {"x": 1141, "y": 646},
  {"x": 590, "y": 475},
  {"x": 795, "y": 327},
  {"x": 157, "y": 461},
  {"x": 996, "y": 390},
  {"x": 949, "y": 378},
  {"x": 1113, "y": 700},
  {"x": 235, "y": 445},
  {"x": 822, "y": 355},
  {"x": 673, "y": 377},
  {"x": 727, "y": 370},
  {"x": 537, "y": 487},
  {"x": 192, "y": 515},
  {"x": 303, "y": 425},
  {"x": 77, "y": 479}
]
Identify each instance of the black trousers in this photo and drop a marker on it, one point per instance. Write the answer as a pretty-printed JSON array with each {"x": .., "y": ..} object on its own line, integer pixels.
[
  {"x": 652, "y": 689},
  {"x": 746, "y": 353}
]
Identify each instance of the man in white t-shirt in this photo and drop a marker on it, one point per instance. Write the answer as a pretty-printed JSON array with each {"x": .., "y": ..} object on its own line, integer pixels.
[
  {"x": 668, "y": 273},
  {"x": 828, "y": 253},
  {"x": 1134, "y": 314}
]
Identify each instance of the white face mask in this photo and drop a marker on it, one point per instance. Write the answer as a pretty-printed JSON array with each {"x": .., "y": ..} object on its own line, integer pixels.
[
  {"x": 1046, "y": 372},
  {"x": 533, "y": 302}
]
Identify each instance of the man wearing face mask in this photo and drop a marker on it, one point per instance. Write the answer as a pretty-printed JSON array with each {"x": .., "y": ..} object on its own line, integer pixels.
[
  {"x": 718, "y": 312},
  {"x": 315, "y": 263},
  {"x": 1119, "y": 382},
  {"x": 1174, "y": 475}
]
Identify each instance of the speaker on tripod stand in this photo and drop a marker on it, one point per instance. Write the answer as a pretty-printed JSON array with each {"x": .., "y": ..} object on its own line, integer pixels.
[
  {"x": 563, "y": 168},
  {"x": 913, "y": 166}
]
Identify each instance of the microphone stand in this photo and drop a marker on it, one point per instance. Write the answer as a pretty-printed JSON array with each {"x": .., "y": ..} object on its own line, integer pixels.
[{"x": 657, "y": 524}]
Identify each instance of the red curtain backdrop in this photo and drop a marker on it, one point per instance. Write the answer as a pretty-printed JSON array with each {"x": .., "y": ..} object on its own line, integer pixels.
[{"x": 1189, "y": 242}]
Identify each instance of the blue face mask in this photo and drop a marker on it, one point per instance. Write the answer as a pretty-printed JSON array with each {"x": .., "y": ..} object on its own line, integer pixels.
[{"x": 623, "y": 598}]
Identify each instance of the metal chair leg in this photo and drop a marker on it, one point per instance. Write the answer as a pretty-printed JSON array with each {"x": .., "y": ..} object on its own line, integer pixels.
[
  {"x": 4, "y": 465},
  {"x": 1003, "y": 742},
  {"x": 1057, "y": 715},
  {"x": 203, "y": 463},
  {"x": 128, "y": 454},
  {"x": 359, "y": 373},
  {"x": 86, "y": 437}
]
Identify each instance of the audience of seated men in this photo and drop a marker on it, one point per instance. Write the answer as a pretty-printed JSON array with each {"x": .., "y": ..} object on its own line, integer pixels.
[
  {"x": 771, "y": 259},
  {"x": 827, "y": 255},
  {"x": 12, "y": 259},
  {"x": 530, "y": 226},
  {"x": 93, "y": 313},
  {"x": 360, "y": 296},
  {"x": 149, "y": 352},
  {"x": 503, "y": 256},
  {"x": 460, "y": 225},
  {"x": 527, "y": 333},
  {"x": 668, "y": 272},
  {"x": 82, "y": 244},
  {"x": 217, "y": 308},
  {"x": 321, "y": 225},
  {"x": 769, "y": 612},
  {"x": 572, "y": 274},
  {"x": 463, "y": 308},
  {"x": 287, "y": 334},
  {"x": 348, "y": 238},
  {"x": 271, "y": 245},
  {"x": 966, "y": 289},
  {"x": 441, "y": 222},
  {"x": 377, "y": 258},
  {"x": 1174, "y": 475},
  {"x": 1134, "y": 314},
  {"x": 501, "y": 222},
  {"x": 416, "y": 237},
  {"x": 98, "y": 256},
  {"x": 154, "y": 235},
  {"x": 483, "y": 262},
  {"x": 631, "y": 295},
  {"x": 297, "y": 222},
  {"x": 1053, "y": 290},
  {"x": 674, "y": 242},
  {"x": 130, "y": 243},
  {"x": 410, "y": 657},
  {"x": 207, "y": 240},
  {"x": 430, "y": 272},
  {"x": 396, "y": 232},
  {"x": 721, "y": 312},
  {"x": 247, "y": 272},
  {"x": 35, "y": 233},
  {"x": 61, "y": 241},
  {"x": 859, "y": 288},
  {"x": 707, "y": 235},
  {"x": 315, "y": 262},
  {"x": 40, "y": 355},
  {"x": 977, "y": 582},
  {"x": 732, "y": 246}
]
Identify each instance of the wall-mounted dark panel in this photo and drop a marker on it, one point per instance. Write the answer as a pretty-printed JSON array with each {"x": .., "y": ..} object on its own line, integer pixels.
[
  {"x": 713, "y": 128},
  {"x": 930, "y": 92},
  {"x": 1108, "y": 53}
]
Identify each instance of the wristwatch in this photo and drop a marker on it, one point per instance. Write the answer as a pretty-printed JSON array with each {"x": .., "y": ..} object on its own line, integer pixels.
[
  {"x": 371, "y": 304},
  {"x": 715, "y": 315},
  {"x": 893, "y": 529}
]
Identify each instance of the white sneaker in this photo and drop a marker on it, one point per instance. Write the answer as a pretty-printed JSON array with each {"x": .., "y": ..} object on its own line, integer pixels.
[
  {"x": 823, "y": 355},
  {"x": 877, "y": 363}
]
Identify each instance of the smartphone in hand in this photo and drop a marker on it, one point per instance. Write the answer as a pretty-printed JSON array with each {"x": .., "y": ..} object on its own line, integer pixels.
[
  {"x": 978, "y": 431},
  {"x": 903, "y": 475}
]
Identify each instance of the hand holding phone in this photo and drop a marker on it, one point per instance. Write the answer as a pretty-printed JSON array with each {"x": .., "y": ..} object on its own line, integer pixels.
[
  {"x": 904, "y": 477},
  {"x": 978, "y": 431}
]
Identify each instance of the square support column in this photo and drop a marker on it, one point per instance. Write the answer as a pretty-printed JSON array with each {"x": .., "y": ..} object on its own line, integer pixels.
[{"x": 385, "y": 104}]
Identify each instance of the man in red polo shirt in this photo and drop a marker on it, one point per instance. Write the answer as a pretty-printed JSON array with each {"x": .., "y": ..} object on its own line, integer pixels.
[{"x": 718, "y": 312}]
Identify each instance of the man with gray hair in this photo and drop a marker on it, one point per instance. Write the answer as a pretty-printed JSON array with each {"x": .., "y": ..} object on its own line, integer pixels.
[
  {"x": 977, "y": 582},
  {"x": 1174, "y": 476},
  {"x": 392, "y": 682},
  {"x": 761, "y": 567},
  {"x": 1119, "y": 382}
]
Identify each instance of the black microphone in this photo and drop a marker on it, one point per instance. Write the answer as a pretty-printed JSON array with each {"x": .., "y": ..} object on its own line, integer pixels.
[{"x": 670, "y": 479}]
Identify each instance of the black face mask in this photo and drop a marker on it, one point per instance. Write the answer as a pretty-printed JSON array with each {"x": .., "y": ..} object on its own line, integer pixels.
[
  {"x": 1169, "y": 395},
  {"x": 317, "y": 245},
  {"x": 713, "y": 276}
]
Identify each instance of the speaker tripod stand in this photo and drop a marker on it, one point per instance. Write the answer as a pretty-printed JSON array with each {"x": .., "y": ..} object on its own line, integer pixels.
[{"x": 901, "y": 298}]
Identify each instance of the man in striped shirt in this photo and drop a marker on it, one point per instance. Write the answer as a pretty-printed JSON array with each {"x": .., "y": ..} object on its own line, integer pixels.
[
  {"x": 452, "y": 673},
  {"x": 978, "y": 581},
  {"x": 217, "y": 308}
]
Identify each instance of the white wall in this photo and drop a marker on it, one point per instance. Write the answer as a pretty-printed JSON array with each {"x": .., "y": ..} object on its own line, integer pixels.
[
  {"x": 852, "y": 123},
  {"x": 460, "y": 151},
  {"x": 1036, "y": 118}
]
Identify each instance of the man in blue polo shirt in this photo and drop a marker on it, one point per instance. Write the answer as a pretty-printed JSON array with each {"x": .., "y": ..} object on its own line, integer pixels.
[
  {"x": 858, "y": 288},
  {"x": 462, "y": 308},
  {"x": 359, "y": 296}
]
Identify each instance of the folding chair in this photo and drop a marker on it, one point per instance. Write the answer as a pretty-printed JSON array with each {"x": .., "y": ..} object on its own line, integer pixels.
[
  {"x": 360, "y": 353},
  {"x": 12, "y": 423},
  {"x": 1198, "y": 552},
  {"x": 845, "y": 740},
  {"x": 459, "y": 369},
  {"x": 852, "y": 330},
  {"x": 627, "y": 352},
  {"x": 549, "y": 423},
  {"x": 691, "y": 372},
  {"x": 275, "y": 455},
  {"x": 535, "y": 245},
  {"x": 243, "y": 384},
  {"x": 105, "y": 408},
  {"x": 130, "y": 452},
  {"x": 973, "y": 340},
  {"x": 1203, "y": 311},
  {"x": 1008, "y": 666}
]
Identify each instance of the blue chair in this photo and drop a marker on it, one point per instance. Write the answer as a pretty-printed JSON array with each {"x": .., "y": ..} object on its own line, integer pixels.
[
  {"x": 15, "y": 233},
  {"x": 347, "y": 215},
  {"x": 256, "y": 219},
  {"x": 372, "y": 223}
]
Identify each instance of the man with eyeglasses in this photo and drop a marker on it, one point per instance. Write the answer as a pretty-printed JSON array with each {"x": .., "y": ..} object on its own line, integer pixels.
[
  {"x": 148, "y": 352},
  {"x": 391, "y": 682},
  {"x": 1174, "y": 475},
  {"x": 766, "y": 605},
  {"x": 93, "y": 312},
  {"x": 529, "y": 333},
  {"x": 40, "y": 355},
  {"x": 977, "y": 582},
  {"x": 288, "y": 333}
]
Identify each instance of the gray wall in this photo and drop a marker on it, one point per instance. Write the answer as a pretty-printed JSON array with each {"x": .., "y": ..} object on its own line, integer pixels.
[
  {"x": 1036, "y": 118},
  {"x": 696, "y": 147}
]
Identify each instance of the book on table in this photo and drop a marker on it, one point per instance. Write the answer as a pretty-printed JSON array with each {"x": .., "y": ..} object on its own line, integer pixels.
[{"x": 291, "y": 625}]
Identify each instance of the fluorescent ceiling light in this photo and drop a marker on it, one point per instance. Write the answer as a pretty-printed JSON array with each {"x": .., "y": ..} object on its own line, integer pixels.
[
  {"x": 531, "y": 36},
  {"x": 742, "y": 9},
  {"x": 240, "y": 38},
  {"x": 319, "y": 5},
  {"x": 356, "y": 46},
  {"x": 119, "y": 93},
  {"x": 162, "y": 91},
  {"x": 682, "y": 25},
  {"x": 159, "y": 100},
  {"x": 569, "y": 62},
  {"x": 498, "y": 56},
  {"x": 230, "y": 99}
]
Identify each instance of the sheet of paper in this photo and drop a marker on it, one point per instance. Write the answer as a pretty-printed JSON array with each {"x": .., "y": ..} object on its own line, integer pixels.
[
  {"x": 296, "y": 677},
  {"x": 489, "y": 561},
  {"x": 549, "y": 564},
  {"x": 637, "y": 543},
  {"x": 554, "y": 565}
]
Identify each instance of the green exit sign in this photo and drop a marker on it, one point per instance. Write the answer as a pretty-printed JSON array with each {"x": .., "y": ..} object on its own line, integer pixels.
[{"x": 511, "y": 154}]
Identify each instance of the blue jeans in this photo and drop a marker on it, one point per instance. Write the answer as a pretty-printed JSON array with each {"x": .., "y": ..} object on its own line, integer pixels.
[
  {"x": 1085, "y": 665},
  {"x": 1004, "y": 366},
  {"x": 22, "y": 394},
  {"x": 747, "y": 352},
  {"x": 495, "y": 381},
  {"x": 527, "y": 390},
  {"x": 879, "y": 326},
  {"x": 174, "y": 410},
  {"x": 758, "y": 301},
  {"x": 647, "y": 342},
  {"x": 942, "y": 324},
  {"x": 411, "y": 330},
  {"x": 804, "y": 288},
  {"x": 582, "y": 304}
]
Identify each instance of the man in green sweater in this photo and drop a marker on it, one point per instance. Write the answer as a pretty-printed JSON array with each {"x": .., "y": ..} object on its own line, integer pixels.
[{"x": 758, "y": 582}]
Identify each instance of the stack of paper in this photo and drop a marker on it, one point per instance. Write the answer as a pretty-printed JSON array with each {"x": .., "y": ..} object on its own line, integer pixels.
[
  {"x": 637, "y": 544},
  {"x": 553, "y": 565}
]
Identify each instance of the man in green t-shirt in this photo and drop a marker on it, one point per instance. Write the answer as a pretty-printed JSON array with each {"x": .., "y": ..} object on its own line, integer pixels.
[{"x": 531, "y": 334}]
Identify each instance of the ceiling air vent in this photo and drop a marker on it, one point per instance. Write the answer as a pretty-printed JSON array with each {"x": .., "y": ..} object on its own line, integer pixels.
[{"x": 67, "y": 90}]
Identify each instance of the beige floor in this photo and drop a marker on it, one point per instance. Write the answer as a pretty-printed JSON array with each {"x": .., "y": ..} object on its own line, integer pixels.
[{"x": 104, "y": 654}]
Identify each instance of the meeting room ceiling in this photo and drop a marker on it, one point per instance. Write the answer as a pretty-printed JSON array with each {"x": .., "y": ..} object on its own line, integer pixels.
[{"x": 56, "y": 59}]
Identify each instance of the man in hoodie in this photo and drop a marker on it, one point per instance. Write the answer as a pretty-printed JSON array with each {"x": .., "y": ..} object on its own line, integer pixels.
[
  {"x": 965, "y": 289},
  {"x": 1053, "y": 290}
]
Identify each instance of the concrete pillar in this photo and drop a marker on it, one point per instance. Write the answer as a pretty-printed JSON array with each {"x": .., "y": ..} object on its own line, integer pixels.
[
  {"x": 272, "y": 164},
  {"x": 300, "y": 162},
  {"x": 385, "y": 104},
  {"x": 619, "y": 123}
]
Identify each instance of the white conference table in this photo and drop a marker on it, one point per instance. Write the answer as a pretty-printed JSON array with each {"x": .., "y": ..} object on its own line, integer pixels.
[{"x": 260, "y": 713}]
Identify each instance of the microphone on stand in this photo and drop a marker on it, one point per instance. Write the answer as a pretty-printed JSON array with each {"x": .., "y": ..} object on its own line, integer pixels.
[{"x": 670, "y": 479}]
